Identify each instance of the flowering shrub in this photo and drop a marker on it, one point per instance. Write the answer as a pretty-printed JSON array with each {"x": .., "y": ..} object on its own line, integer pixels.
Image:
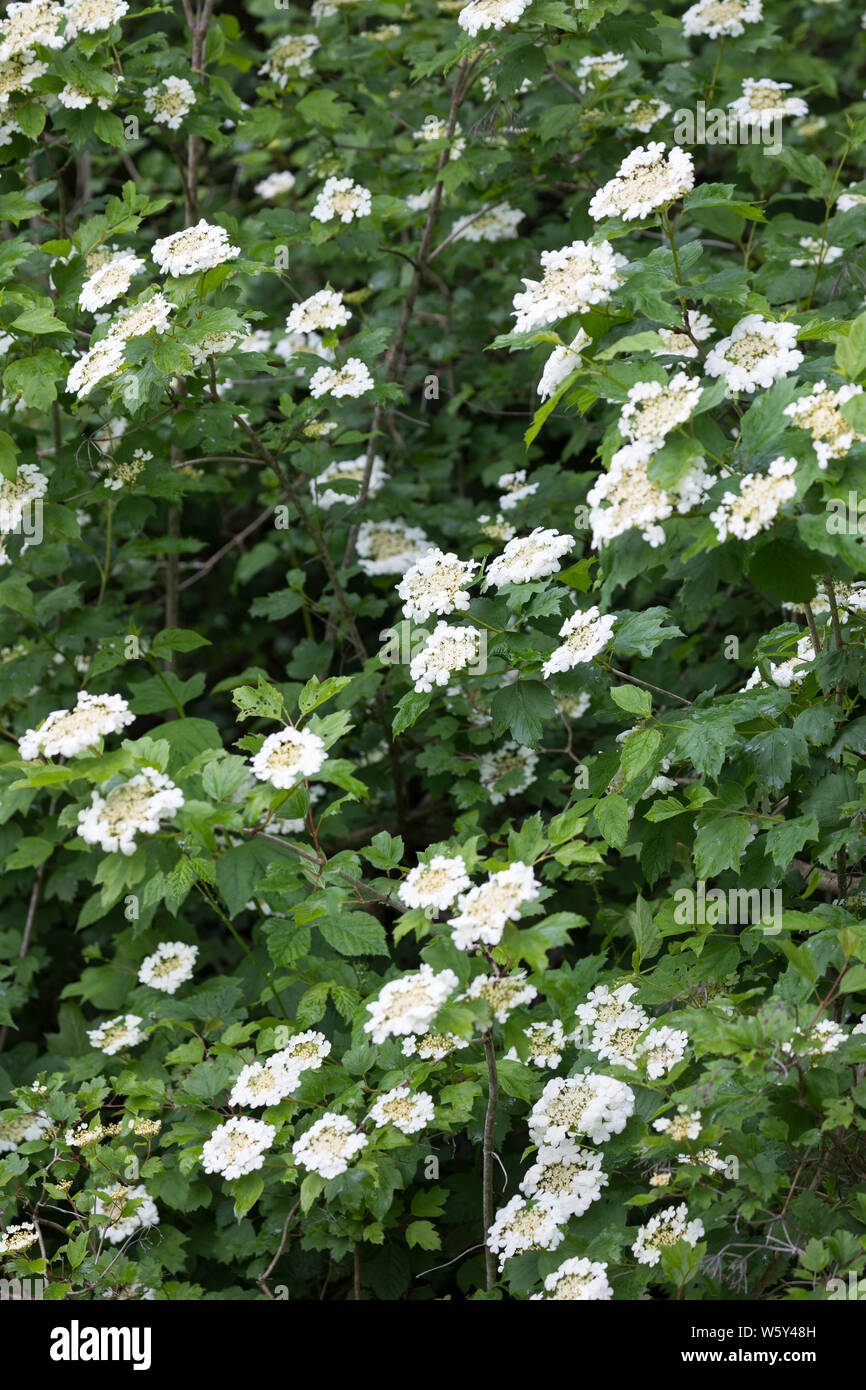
[{"x": 432, "y": 613}]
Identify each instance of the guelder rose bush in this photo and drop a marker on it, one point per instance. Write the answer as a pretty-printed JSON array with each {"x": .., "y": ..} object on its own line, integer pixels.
[{"x": 432, "y": 621}]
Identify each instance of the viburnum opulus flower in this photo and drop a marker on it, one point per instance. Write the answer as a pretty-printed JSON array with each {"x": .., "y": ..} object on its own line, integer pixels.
[
  {"x": 433, "y": 1047},
  {"x": 116, "y": 1034},
  {"x": 482, "y": 912},
  {"x": 136, "y": 806},
  {"x": 92, "y": 16},
  {"x": 715, "y": 19},
  {"x": 586, "y": 1104},
  {"x": 757, "y": 504},
  {"x": 490, "y": 14},
  {"x": 662, "y": 1049},
  {"x": 352, "y": 379},
  {"x": 329, "y": 1145},
  {"x": 169, "y": 101},
  {"x": 594, "y": 68},
  {"x": 763, "y": 102},
  {"x": 406, "y": 1110},
  {"x": 343, "y": 199},
  {"x": 448, "y": 649},
  {"x": 528, "y": 557},
  {"x": 561, "y": 363},
  {"x": 520, "y": 1226},
  {"x": 564, "y": 1178},
  {"x": 262, "y": 1083},
  {"x": 18, "y": 1238},
  {"x": 575, "y": 278},
  {"x": 820, "y": 414},
  {"x": 497, "y": 223},
  {"x": 289, "y": 756},
  {"x": 664, "y": 1229},
  {"x": 756, "y": 353},
  {"x": 170, "y": 966},
  {"x": 434, "y": 885},
  {"x": 654, "y": 408},
  {"x": 150, "y": 315},
  {"x": 846, "y": 201},
  {"x": 546, "y": 1041},
  {"x": 237, "y": 1147},
  {"x": 109, "y": 281},
  {"x": 648, "y": 179},
  {"x": 684, "y": 1124},
  {"x": 64, "y": 733},
  {"x": 586, "y": 636},
  {"x": 817, "y": 1040},
  {"x": 128, "y": 1209},
  {"x": 502, "y": 993},
  {"x": 303, "y": 1052},
  {"x": 577, "y": 1281},
  {"x": 323, "y": 311},
  {"x": 626, "y": 497},
  {"x": 617, "y": 1024},
  {"x": 510, "y": 760},
  {"x": 350, "y": 471},
  {"x": 194, "y": 249},
  {"x": 35, "y": 22},
  {"x": 818, "y": 253},
  {"x": 409, "y": 1004},
  {"x": 18, "y": 493},
  {"x": 24, "y": 1129},
  {"x": 103, "y": 360},
  {"x": 434, "y": 128},
  {"x": 281, "y": 181},
  {"x": 389, "y": 547},
  {"x": 642, "y": 113},
  {"x": 290, "y": 57},
  {"x": 436, "y": 584},
  {"x": 678, "y": 343},
  {"x": 787, "y": 673}
]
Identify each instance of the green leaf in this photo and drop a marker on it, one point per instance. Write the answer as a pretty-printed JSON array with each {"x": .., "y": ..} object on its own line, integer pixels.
[
  {"x": 423, "y": 1235},
  {"x": 638, "y": 750},
  {"x": 521, "y": 709},
  {"x": 611, "y": 817},
  {"x": 630, "y": 698},
  {"x": 355, "y": 934}
]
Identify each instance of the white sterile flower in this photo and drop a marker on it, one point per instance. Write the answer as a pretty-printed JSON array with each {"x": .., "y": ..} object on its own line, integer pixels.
[
  {"x": 509, "y": 759},
  {"x": 275, "y": 184},
  {"x": 117, "y": 1034},
  {"x": 561, "y": 363},
  {"x": 763, "y": 103},
  {"x": 136, "y": 806},
  {"x": 685, "y": 1124},
  {"x": 565, "y": 1178},
  {"x": 29, "y": 24},
  {"x": 846, "y": 201},
  {"x": 408, "y": 1111},
  {"x": 434, "y": 885},
  {"x": 662, "y": 1049},
  {"x": 128, "y": 1209},
  {"x": 490, "y": 14},
  {"x": 679, "y": 344},
  {"x": 575, "y": 278},
  {"x": 586, "y": 635},
  {"x": 617, "y": 1023},
  {"x": 352, "y": 379},
  {"x": 290, "y": 57},
  {"x": 103, "y": 360},
  {"x": 817, "y": 252},
  {"x": 28, "y": 1126},
  {"x": 17, "y": 494},
  {"x": 654, "y": 408},
  {"x": 348, "y": 470},
  {"x": 496, "y": 528},
  {"x": 649, "y": 178},
  {"x": 602, "y": 67},
  {"x": 758, "y": 502},
  {"x": 169, "y": 101},
  {"x": 666, "y": 1228},
  {"x": 303, "y": 1052},
  {"x": 502, "y": 993},
  {"x": 546, "y": 1044},
  {"x": 820, "y": 1040},
  {"x": 756, "y": 353},
  {"x": 859, "y": 1027},
  {"x": 323, "y": 310},
  {"x": 151, "y": 315},
  {"x": 389, "y": 547},
  {"x": 170, "y": 966},
  {"x": 63, "y": 732},
  {"x": 721, "y": 19},
  {"x": 237, "y": 1147},
  {"x": 448, "y": 649},
  {"x": 433, "y": 1047},
  {"x": 74, "y": 98},
  {"x": 409, "y": 1004},
  {"x": 435, "y": 584},
  {"x": 261, "y": 1083},
  {"x": 110, "y": 281},
  {"x": 520, "y": 1226},
  {"x": 420, "y": 202},
  {"x": 194, "y": 249},
  {"x": 626, "y": 497},
  {"x": 643, "y": 113},
  {"x": 92, "y": 16},
  {"x": 820, "y": 414},
  {"x": 343, "y": 199},
  {"x": 498, "y": 223},
  {"x": 289, "y": 756},
  {"x": 586, "y": 1104},
  {"x": 577, "y": 1280},
  {"x": 329, "y": 1145},
  {"x": 483, "y": 912},
  {"x": 15, "y": 1239},
  {"x": 528, "y": 557},
  {"x": 790, "y": 672}
]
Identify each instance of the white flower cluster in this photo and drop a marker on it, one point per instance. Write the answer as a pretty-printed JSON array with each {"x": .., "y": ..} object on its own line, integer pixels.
[
  {"x": 117, "y": 1034},
  {"x": 237, "y": 1147},
  {"x": 92, "y": 16},
  {"x": 408, "y": 1112},
  {"x": 16, "y": 494},
  {"x": 546, "y": 1041},
  {"x": 818, "y": 253},
  {"x": 565, "y": 1178},
  {"x": 448, "y": 649},
  {"x": 763, "y": 102},
  {"x": 818, "y": 1040},
  {"x": 520, "y": 1226},
  {"x": 138, "y": 805},
  {"x": 678, "y": 343},
  {"x": 352, "y": 379},
  {"x": 289, "y": 756},
  {"x": 28, "y": 24},
  {"x": 64, "y": 733},
  {"x": 490, "y": 14},
  {"x": 343, "y": 199},
  {"x": 586, "y": 636},
  {"x": 820, "y": 414},
  {"x": 128, "y": 1209},
  {"x": 577, "y": 1280},
  {"x": 389, "y": 547},
  {"x": 528, "y": 557},
  {"x": 685, "y": 1124},
  {"x": 290, "y": 57},
  {"x": 324, "y": 310},
  {"x": 502, "y": 993},
  {"x": 194, "y": 249},
  {"x": 329, "y": 1145},
  {"x": 434, "y": 885},
  {"x": 515, "y": 487},
  {"x": 269, "y": 1082},
  {"x": 170, "y": 966},
  {"x": 109, "y": 281},
  {"x": 348, "y": 470},
  {"x": 281, "y": 181},
  {"x": 758, "y": 502},
  {"x": 652, "y": 408},
  {"x": 626, "y": 497},
  {"x": 484, "y": 911},
  {"x": 575, "y": 278},
  {"x": 720, "y": 19},
  {"x": 560, "y": 364},
  {"x": 435, "y": 584},
  {"x": 756, "y": 353},
  {"x": 24, "y": 1129},
  {"x": 666, "y": 1228},
  {"x": 497, "y": 223},
  {"x": 169, "y": 101},
  {"x": 409, "y": 1004},
  {"x": 587, "y": 1104},
  {"x": 509, "y": 759},
  {"x": 103, "y": 360},
  {"x": 642, "y": 113},
  {"x": 594, "y": 68},
  {"x": 648, "y": 179},
  {"x": 18, "y": 1238}
]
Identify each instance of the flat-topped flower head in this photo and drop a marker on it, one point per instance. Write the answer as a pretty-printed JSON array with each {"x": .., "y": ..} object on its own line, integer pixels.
[
  {"x": 685, "y": 1124},
  {"x": 237, "y": 1147},
  {"x": 103, "y": 360},
  {"x": 820, "y": 414},
  {"x": 593, "y": 69},
  {"x": 666, "y": 1228},
  {"x": 434, "y": 885},
  {"x": 565, "y": 1178},
  {"x": 577, "y": 1281},
  {"x": 436, "y": 584},
  {"x": 789, "y": 673},
  {"x": 434, "y": 128},
  {"x": 169, "y": 101},
  {"x": 561, "y": 363},
  {"x": 528, "y": 557},
  {"x": 170, "y": 966},
  {"x": 26, "y": 25},
  {"x": 642, "y": 113},
  {"x": 151, "y": 315},
  {"x": 137, "y": 806},
  {"x": 498, "y": 223},
  {"x": 289, "y": 756},
  {"x": 757, "y": 353},
  {"x": 648, "y": 179},
  {"x": 18, "y": 74},
  {"x": 434, "y": 1047},
  {"x": 323, "y": 311},
  {"x": 490, "y": 14},
  {"x": 521, "y": 1226},
  {"x": 502, "y": 993},
  {"x": 482, "y": 912},
  {"x": 329, "y": 1145},
  {"x": 127, "y": 1209},
  {"x": 19, "y": 493},
  {"x": 721, "y": 19},
  {"x": 819, "y": 1040},
  {"x": 92, "y": 16},
  {"x": 654, "y": 408},
  {"x": 515, "y": 488},
  {"x": 662, "y": 1049},
  {"x": 448, "y": 649},
  {"x": 23, "y": 1129},
  {"x": 764, "y": 102},
  {"x": 389, "y": 547},
  {"x": 511, "y": 760},
  {"x": 846, "y": 201},
  {"x": 678, "y": 343},
  {"x": 290, "y": 57},
  {"x": 546, "y": 1041},
  {"x": 588, "y": 1104},
  {"x": 343, "y": 199},
  {"x": 409, "y": 1004},
  {"x": 818, "y": 253},
  {"x": 117, "y": 1034},
  {"x": 261, "y": 1083},
  {"x": 64, "y": 733},
  {"x": 586, "y": 636},
  {"x": 194, "y": 249},
  {"x": 406, "y": 1110},
  {"x": 110, "y": 281},
  {"x": 352, "y": 379},
  {"x": 575, "y": 278},
  {"x": 18, "y": 1238},
  {"x": 282, "y": 181},
  {"x": 617, "y": 1023},
  {"x": 626, "y": 498},
  {"x": 757, "y": 504}
]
